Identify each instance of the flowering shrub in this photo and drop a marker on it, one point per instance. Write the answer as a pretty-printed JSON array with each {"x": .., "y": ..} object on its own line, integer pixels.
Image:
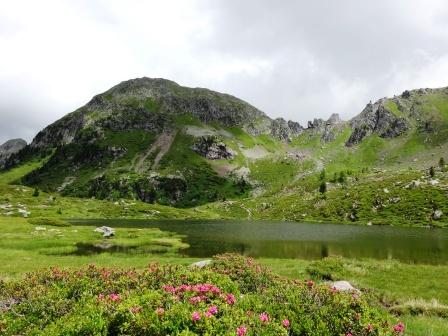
[{"x": 233, "y": 296}]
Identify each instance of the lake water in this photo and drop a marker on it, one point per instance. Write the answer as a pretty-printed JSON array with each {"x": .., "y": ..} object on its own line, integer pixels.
[{"x": 270, "y": 239}]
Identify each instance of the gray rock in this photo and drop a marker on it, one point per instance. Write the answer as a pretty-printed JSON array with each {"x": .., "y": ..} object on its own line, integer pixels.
[
  {"x": 285, "y": 130},
  {"x": 106, "y": 231},
  {"x": 376, "y": 118},
  {"x": 9, "y": 148},
  {"x": 202, "y": 263},
  {"x": 437, "y": 214},
  {"x": 344, "y": 286},
  {"x": 212, "y": 148}
]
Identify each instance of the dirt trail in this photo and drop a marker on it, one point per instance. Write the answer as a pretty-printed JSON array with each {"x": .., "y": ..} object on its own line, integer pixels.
[{"x": 163, "y": 144}]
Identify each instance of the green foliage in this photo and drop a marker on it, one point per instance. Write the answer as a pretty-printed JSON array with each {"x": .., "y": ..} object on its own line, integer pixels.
[
  {"x": 151, "y": 105},
  {"x": 36, "y": 192},
  {"x": 323, "y": 187},
  {"x": 48, "y": 221},
  {"x": 442, "y": 163},
  {"x": 329, "y": 268},
  {"x": 432, "y": 171},
  {"x": 322, "y": 175},
  {"x": 173, "y": 300}
]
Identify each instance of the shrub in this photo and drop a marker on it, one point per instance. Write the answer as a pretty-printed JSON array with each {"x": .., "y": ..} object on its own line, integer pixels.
[
  {"x": 36, "y": 192},
  {"x": 326, "y": 269},
  {"x": 48, "y": 221},
  {"x": 233, "y": 296}
]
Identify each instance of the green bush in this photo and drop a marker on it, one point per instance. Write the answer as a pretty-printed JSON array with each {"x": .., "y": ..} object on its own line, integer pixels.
[
  {"x": 326, "y": 269},
  {"x": 48, "y": 221},
  {"x": 233, "y": 296}
]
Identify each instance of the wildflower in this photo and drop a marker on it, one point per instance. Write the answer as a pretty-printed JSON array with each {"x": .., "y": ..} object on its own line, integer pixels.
[
  {"x": 169, "y": 289},
  {"x": 230, "y": 299},
  {"x": 285, "y": 323},
  {"x": 241, "y": 331},
  {"x": 100, "y": 296},
  {"x": 160, "y": 311},
  {"x": 208, "y": 314},
  {"x": 195, "y": 299},
  {"x": 114, "y": 297},
  {"x": 196, "y": 316},
  {"x": 369, "y": 327},
  {"x": 135, "y": 310},
  {"x": 399, "y": 328},
  {"x": 310, "y": 283},
  {"x": 264, "y": 317},
  {"x": 348, "y": 334},
  {"x": 213, "y": 310}
]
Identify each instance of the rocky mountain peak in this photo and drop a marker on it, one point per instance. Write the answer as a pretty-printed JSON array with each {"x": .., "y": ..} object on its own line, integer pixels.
[
  {"x": 380, "y": 118},
  {"x": 9, "y": 148}
]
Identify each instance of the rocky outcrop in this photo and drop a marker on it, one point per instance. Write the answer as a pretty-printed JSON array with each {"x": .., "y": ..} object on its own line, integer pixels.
[
  {"x": 212, "y": 148},
  {"x": 332, "y": 127},
  {"x": 328, "y": 129},
  {"x": 9, "y": 148},
  {"x": 376, "y": 118},
  {"x": 285, "y": 130}
]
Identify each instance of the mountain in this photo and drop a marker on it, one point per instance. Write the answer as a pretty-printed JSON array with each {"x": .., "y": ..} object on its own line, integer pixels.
[
  {"x": 152, "y": 139},
  {"x": 9, "y": 148},
  {"x": 156, "y": 141}
]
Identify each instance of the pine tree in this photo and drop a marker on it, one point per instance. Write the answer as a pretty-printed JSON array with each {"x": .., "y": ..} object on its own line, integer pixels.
[
  {"x": 432, "y": 171},
  {"x": 442, "y": 164},
  {"x": 323, "y": 187}
]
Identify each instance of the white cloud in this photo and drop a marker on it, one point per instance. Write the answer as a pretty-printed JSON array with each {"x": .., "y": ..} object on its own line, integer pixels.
[{"x": 296, "y": 59}]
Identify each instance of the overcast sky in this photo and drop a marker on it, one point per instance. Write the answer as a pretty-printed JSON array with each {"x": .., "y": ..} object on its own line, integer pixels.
[{"x": 291, "y": 59}]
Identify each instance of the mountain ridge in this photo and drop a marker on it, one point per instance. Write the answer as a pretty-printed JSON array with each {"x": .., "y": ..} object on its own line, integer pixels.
[{"x": 156, "y": 141}]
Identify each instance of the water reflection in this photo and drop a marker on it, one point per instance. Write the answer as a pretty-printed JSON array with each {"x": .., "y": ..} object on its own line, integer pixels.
[{"x": 301, "y": 240}]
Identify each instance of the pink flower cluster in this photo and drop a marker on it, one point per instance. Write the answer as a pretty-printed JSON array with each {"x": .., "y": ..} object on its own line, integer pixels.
[
  {"x": 199, "y": 288},
  {"x": 230, "y": 299},
  {"x": 241, "y": 331},
  {"x": 399, "y": 327},
  {"x": 264, "y": 317},
  {"x": 212, "y": 310},
  {"x": 112, "y": 297}
]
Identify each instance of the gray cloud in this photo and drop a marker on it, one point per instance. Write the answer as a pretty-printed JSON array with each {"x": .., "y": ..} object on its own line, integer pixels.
[{"x": 295, "y": 59}]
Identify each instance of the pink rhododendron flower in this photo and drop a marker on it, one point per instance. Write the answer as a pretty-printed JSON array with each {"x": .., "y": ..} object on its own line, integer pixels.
[
  {"x": 168, "y": 288},
  {"x": 208, "y": 314},
  {"x": 230, "y": 299},
  {"x": 114, "y": 297},
  {"x": 241, "y": 331},
  {"x": 348, "y": 334},
  {"x": 399, "y": 327},
  {"x": 213, "y": 310},
  {"x": 285, "y": 323},
  {"x": 195, "y": 299},
  {"x": 264, "y": 317},
  {"x": 196, "y": 316},
  {"x": 160, "y": 311}
]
